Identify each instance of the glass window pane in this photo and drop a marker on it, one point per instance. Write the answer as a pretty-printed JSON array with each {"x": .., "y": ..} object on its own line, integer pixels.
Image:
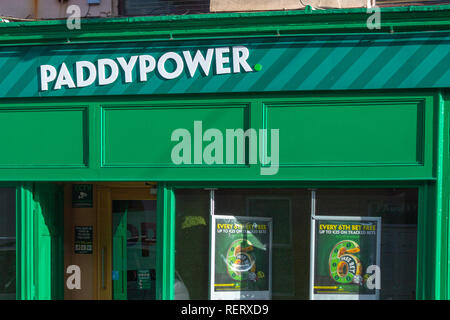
[
  {"x": 192, "y": 245},
  {"x": 134, "y": 249},
  {"x": 290, "y": 211},
  {"x": 7, "y": 244},
  {"x": 398, "y": 211}
]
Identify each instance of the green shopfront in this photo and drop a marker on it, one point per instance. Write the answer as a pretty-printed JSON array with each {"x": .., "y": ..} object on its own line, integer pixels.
[{"x": 271, "y": 155}]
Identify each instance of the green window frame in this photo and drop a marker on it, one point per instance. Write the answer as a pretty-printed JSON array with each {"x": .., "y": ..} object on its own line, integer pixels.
[
  {"x": 39, "y": 273},
  {"x": 431, "y": 236}
]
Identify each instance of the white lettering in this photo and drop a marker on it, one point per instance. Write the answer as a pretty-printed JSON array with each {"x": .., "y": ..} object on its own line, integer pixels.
[
  {"x": 221, "y": 60},
  {"x": 64, "y": 78},
  {"x": 127, "y": 67},
  {"x": 169, "y": 66},
  {"x": 240, "y": 56},
  {"x": 102, "y": 79},
  {"x": 162, "y": 65},
  {"x": 192, "y": 64},
  {"x": 48, "y": 74},
  {"x": 81, "y": 82},
  {"x": 146, "y": 64}
]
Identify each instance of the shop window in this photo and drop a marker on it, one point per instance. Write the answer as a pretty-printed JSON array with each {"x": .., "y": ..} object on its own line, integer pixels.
[
  {"x": 7, "y": 244},
  {"x": 285, "y": 270},
  {"x": 289, "y": 211},
  {"x": 397, "y": 209},
  {"x": 192, "y": 245}
]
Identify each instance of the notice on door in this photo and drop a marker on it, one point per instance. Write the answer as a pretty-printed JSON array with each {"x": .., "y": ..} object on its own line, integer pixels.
[
  {"x": 345, "y": 255},
  {"x": 82, "y": 195},
  {"x": 83, "y": 239},
  {"x": 241, "y": 258},
  {"x": 143, "y": 279}
]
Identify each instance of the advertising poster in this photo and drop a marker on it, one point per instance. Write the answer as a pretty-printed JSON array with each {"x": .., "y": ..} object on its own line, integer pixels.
[
  {"x": 345, "y": 257},
  {"x": 241, "y": 258}
]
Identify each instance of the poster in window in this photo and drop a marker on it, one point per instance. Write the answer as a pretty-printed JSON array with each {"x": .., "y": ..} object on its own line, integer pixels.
[
  {"x": 241, "y": 258},
  {"x": 345, "y": 258}
]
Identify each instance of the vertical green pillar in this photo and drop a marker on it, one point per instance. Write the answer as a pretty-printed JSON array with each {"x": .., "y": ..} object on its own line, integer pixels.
[
  {"x": 48, "y": 239},
  {"x": 443, "y": 196},
  {"x": 426, "y": 276},
  {"x": 40, "y": 257},
  {"x": 433, "y": 234},
  {"x": 25, "y": 243},
  {"x": 165, "y": 241},
  {"x": 433, "y": 254}
]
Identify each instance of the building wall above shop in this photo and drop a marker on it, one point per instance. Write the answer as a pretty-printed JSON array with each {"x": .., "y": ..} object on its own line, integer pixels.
[
  {"x": 56, "y": 9},
  {"x": 258, "y": 5}
]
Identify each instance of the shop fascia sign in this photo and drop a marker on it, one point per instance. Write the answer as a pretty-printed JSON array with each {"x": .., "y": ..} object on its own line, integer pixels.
[{"x": 106, "y": 71}]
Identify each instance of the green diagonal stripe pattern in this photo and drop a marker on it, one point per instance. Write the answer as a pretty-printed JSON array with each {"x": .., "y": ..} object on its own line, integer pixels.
[{"x": 300, "y": 63}]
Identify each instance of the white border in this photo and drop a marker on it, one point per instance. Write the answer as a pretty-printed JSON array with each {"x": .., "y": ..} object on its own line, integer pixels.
[
  {"x": 238, "y": 295},
  {"x": 313, "y": 296}
]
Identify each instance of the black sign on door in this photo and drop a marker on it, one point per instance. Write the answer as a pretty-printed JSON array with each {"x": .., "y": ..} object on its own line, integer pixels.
[
  {"x": 83, "y": 241},
  {"x": 82, "y": 195}
]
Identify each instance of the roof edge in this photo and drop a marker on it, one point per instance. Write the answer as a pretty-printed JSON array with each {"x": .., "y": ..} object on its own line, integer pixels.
[{"x": 264, "y": 23}]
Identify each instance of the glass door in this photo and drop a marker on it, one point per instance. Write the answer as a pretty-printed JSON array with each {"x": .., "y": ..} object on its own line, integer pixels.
[{"x": 134, "y": 249}]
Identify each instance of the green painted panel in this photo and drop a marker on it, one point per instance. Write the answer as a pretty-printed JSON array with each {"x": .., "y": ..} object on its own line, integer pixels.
[
  {"x": 130, "y": 138},
  {"x": 43, "y": 137},
  {"x": 354, "y": 133},
  {"x": 142, "y": 136}
]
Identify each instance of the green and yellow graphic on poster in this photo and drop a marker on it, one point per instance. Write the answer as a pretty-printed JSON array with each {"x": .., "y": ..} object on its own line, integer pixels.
[
  {"x": 241, "y": 258},
  {"x": 343, "y": 250}
]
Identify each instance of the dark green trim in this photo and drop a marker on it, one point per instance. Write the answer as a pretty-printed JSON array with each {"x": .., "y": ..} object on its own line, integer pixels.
[
  {"x": 442, "y": 202},
  {"x": 269, "y": 23},
  {"x": 295, "y": 184},
  {"x": 165, "y": 243}
]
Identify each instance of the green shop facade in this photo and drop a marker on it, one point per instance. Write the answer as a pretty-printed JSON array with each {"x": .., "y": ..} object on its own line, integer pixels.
[{"x": 269, "y": 155}]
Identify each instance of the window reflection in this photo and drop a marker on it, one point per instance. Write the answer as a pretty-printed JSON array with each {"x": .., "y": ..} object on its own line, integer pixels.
[
  {"x": 290, "y": 211},
  {"x": 7, "y": 244}
]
